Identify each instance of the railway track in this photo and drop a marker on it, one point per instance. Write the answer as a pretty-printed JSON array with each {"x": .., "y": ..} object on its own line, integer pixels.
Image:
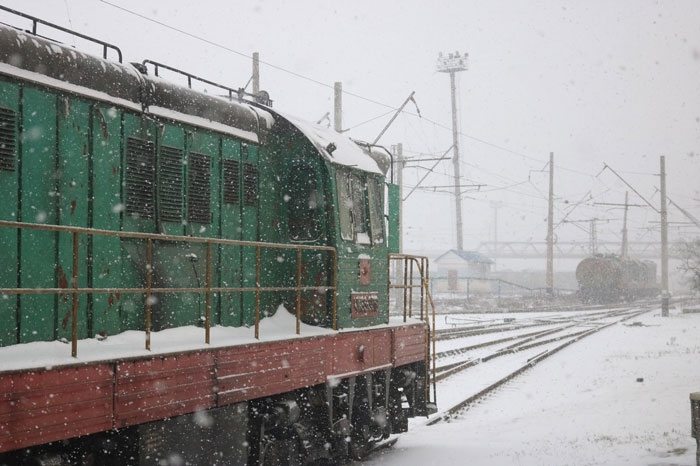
[
  {"x": 508, "y": 324},
  {"x": 530, "y": 347}
]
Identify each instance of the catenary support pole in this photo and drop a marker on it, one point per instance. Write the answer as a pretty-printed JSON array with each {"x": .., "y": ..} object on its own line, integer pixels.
[
  {"x": 550, "y": 230},
  {"x": 664, "y": 242},
  {"x": 453, "y": 63},
  {"x": 338, "y": 107},
  {"x": 625, "y": 246},
  {"x": 256, "y": 73}
]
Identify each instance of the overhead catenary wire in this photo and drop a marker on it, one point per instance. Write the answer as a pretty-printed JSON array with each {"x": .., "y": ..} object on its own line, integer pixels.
[
  {"x": 242, "y": 54},
  {"x": 509, "y": 183},
  {"x": 329, "y": 86}
]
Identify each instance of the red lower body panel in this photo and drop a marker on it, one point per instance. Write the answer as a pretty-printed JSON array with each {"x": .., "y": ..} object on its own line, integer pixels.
[
  {"x": 41, "y": 406},
  {"x": 44, "y": 406}
]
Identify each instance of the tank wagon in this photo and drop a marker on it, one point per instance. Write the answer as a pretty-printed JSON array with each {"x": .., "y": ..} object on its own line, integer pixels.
[
  {"x": 611, "y": 278},
  {"x": 190, "y": 279}
]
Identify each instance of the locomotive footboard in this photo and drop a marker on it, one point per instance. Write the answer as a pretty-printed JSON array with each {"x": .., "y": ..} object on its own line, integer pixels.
[{"x": 160, "y": 405}]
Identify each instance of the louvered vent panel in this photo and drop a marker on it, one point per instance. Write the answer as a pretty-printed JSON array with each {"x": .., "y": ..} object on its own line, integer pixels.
[
  {"x": 199, "y": 188},
  {"x": 140, "y": 177},
  {"x": 250, "y": 184},
  {"x": 232, "y": 169},
  {"x": 170, "y": 185},
  {"x": 8, "y": 139}
]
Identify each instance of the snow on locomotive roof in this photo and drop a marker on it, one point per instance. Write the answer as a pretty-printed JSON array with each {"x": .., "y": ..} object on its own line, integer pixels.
[
  {"x": 48, "y": 81},
  {"x": 53, "y": 65},
  {"x": 57, "y": 66},
  {"x": 346, "y": 151},
  {"x": 202, "y": 123}
]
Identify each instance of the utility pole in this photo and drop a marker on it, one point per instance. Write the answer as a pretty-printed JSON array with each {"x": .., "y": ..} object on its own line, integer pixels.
[
  {"x": 550, "y": 230},
  {"x": 451, "y": 64},
  {"x": 399, "y": 181},
  {"x": 338, "y": 107},
  {"x": 397, "y": 268},
  {"x": 256, "y": 73},
  {"x": 664, "y": 242},
  {"x": 495, "y": 206},
  {"x": 593, "y": 238},
  {"x": 623, "y": 252}
]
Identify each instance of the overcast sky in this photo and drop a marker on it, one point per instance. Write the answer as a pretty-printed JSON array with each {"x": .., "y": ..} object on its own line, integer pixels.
[{"x": 594, "y": 82}]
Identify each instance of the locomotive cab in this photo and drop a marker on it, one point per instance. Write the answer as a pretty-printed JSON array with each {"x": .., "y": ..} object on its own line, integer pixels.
[{"x": 333, "y": 195}]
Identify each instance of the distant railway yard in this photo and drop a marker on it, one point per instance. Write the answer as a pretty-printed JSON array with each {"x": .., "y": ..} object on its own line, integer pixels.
[{"x": 479, "y": 353}]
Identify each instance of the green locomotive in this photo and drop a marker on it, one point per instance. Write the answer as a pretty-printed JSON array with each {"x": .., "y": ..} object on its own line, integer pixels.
[
  {"x": 134, "y": 204},
  {"x": 118, "y": 149}
]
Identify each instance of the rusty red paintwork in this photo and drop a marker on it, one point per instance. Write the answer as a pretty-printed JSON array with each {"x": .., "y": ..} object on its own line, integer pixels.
[
  {"x": 146, "y": 390},
  {"x": 365, "y": 272},
  {"x": 53, "y": 404},
  {"x": 246, "y": 372},
  {"x": 57, "y": 403}
]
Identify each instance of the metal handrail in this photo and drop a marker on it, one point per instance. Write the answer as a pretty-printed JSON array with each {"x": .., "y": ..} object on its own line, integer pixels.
[
  {"x": 36, "y": 21},
  {"x": 240, "y": 92},
  {"x": 421, "y": 264},
  {"x": 156, "y": 66},
  {"x": 208, "y": 289}
]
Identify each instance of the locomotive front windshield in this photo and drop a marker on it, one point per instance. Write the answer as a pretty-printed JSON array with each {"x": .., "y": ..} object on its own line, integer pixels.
[
  {"x": 374, "y": 191},
  {"x": 360, "y": 211}
]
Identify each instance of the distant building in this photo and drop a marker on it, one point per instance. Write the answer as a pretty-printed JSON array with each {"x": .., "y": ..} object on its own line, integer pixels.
[{"x": 457, "y": 268}]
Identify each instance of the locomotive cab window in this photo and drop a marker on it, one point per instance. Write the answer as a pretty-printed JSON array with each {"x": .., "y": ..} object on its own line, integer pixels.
[
  {"x": 374, "y": 192},
  {"x": 304, "y": 203},
  {"x": 353, "y": 207}
]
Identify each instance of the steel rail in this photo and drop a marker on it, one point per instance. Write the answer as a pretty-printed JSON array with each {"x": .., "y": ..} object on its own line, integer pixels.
[
  {"x": 529, "y": 364},
  {"x": 453, "y": 368}
]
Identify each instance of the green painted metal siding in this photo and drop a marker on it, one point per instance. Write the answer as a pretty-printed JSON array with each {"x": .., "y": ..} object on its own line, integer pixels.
[
  {"x": 231, "y": 195},
  {"x": 184, "y": 265},
  {"x": 250, "y": 201},
  {"x": 72, "y": 196},
  {"x": 38, "y": 190},
  {"x": 92, "y": 165},
  {"x": 394, "y": 200},
  {"x": 106, "y": 211},
  {"x": 9, "y": 180},
  {"x": 137, "y": 214}
]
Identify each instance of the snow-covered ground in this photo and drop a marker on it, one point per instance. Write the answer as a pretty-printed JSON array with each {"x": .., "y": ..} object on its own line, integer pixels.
[{"x": 618, "y": 397}]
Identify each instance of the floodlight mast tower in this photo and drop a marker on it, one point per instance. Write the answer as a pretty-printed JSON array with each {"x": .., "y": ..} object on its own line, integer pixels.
[{"x": 452, "y": 63}]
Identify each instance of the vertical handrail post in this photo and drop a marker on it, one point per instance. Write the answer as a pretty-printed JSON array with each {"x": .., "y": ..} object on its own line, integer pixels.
[
  {"x": 410, "y": 291},
  {"x": 207, "y": 307},
  {"x": 149, "y": 281},
  {"x": 405, "y": 286},
  {"x": 335, "y": 289},
  {"x": 298, "y": 307},
  {"x": 423, "y": 307},
  {"x": 257, "y": 292},
  {"x": 426, "y": 267},
  {"x": 74, "y": 314}
]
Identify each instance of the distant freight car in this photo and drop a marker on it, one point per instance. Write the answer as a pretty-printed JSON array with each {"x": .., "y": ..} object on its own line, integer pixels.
[
  {"x": 611, "y": 278},
  {"x": 132, "y": 206}
]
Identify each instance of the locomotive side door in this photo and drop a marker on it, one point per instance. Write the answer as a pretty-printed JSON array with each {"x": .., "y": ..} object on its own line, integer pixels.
[
  {"x": 239, "y": 197},
  {"x": 304, "y": 196}
]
